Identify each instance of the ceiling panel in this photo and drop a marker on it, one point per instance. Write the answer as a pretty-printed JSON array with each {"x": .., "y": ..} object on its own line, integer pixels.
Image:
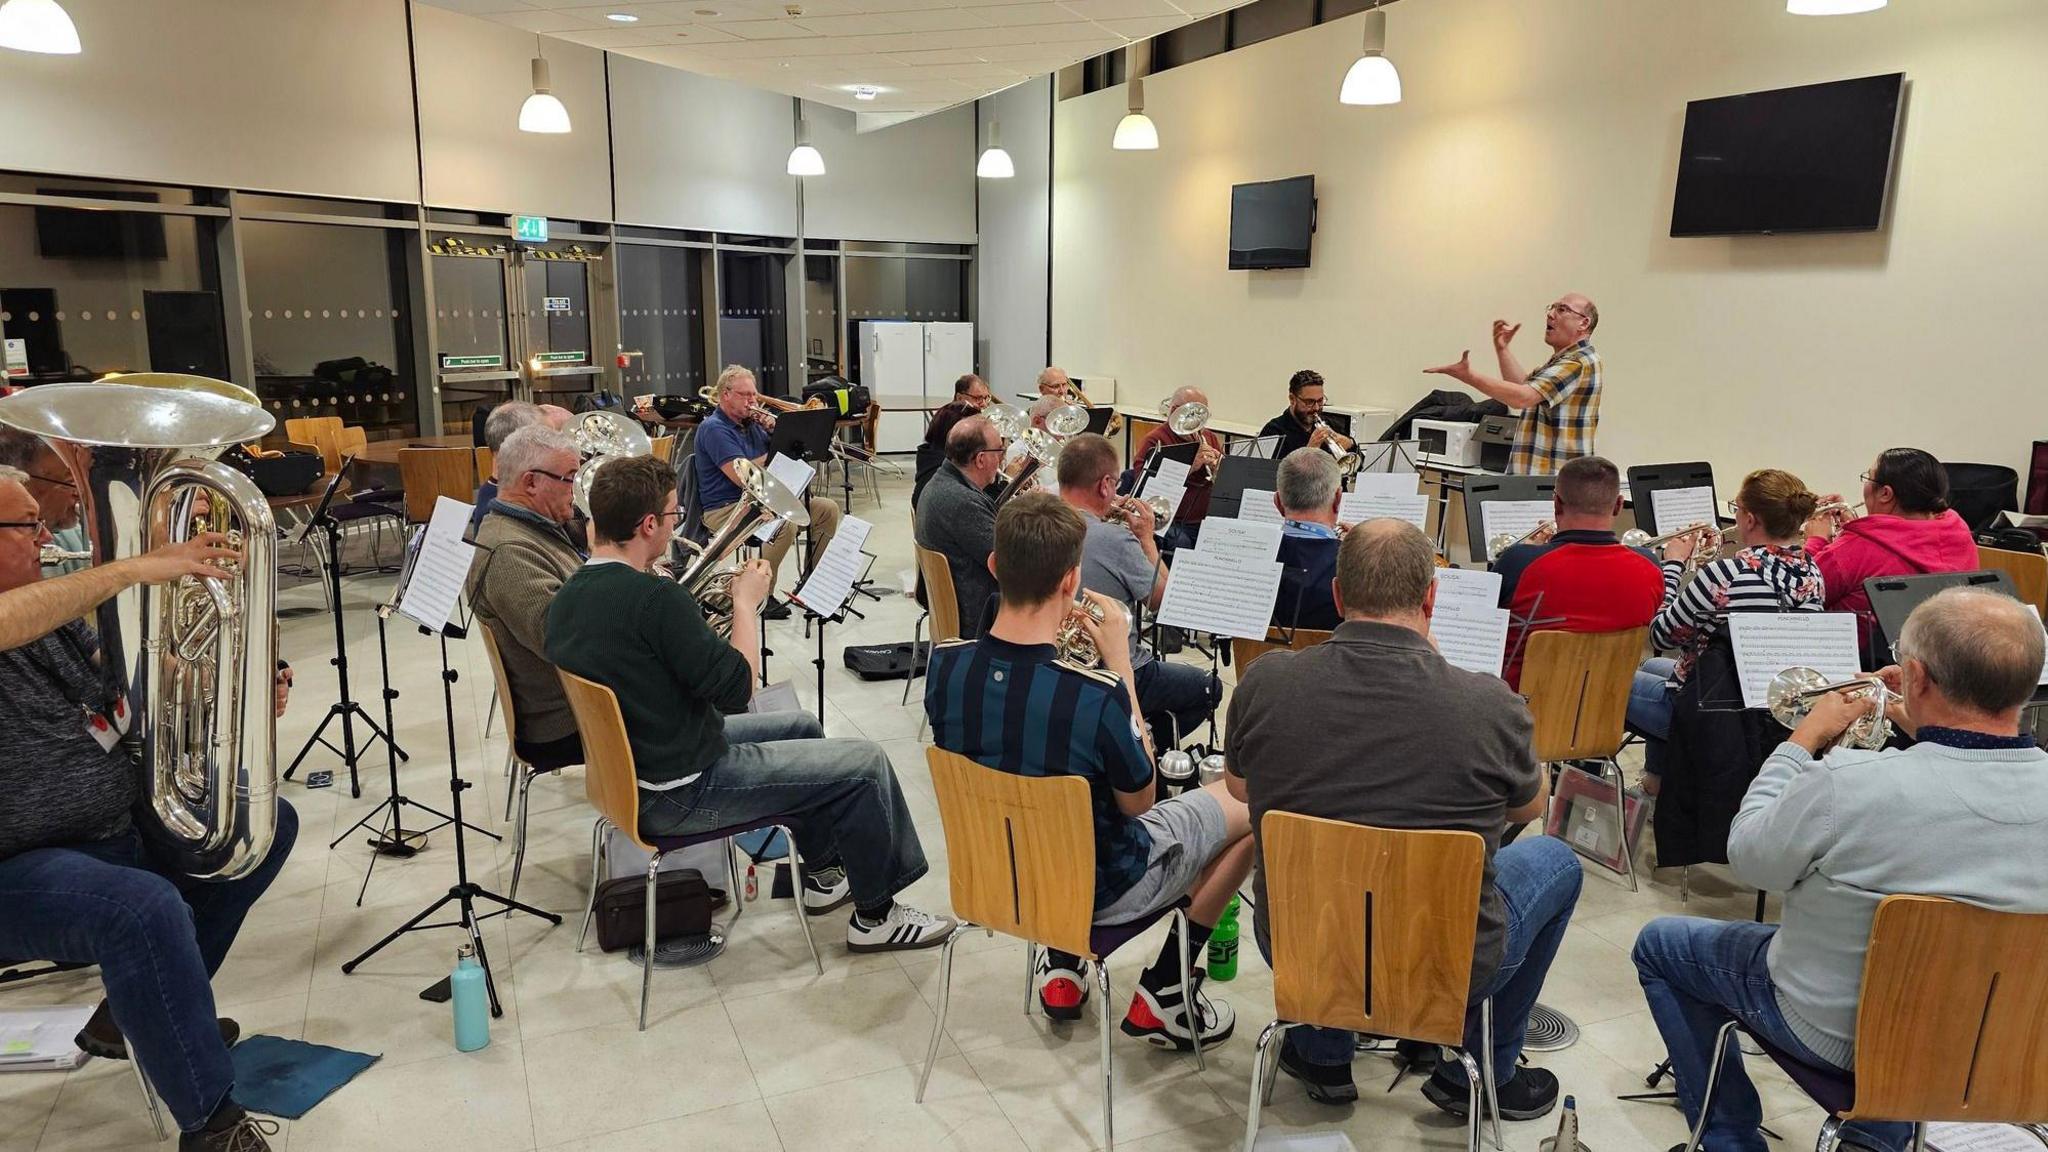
[{"x": 922, "y": 55}]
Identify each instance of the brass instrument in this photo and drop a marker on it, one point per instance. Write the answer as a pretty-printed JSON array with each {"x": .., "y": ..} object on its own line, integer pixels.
[
  {"x": 1072, "y": 396},
  {"x": 1073, "y": 643},
  {"x": 1180, "y": 767},
  {"x": 1792, "y": 692},
  {"x": 1501, "y": 541},
  {"x": 1838, "y": 512},
  {"x": 1712, "y": 537},
  {"x": 1348, "y": 459},
  {"x": 194, "y": 659},
  {"x": 763, "y": 500},
  {"x": 1010, "y": 421},
  {"x": 1121, "y": 511},
  {"x": 1042, "y": 445},
  {"x": 1187, "y": 421},
  {"x": 601, "y": 437},
  {"x": 52, "y": 555}
]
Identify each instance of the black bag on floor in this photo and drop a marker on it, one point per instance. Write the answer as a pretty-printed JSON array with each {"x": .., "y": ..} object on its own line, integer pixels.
[
  {"x": 682, "y": 906},
  {"x": 887, "y": 661}
]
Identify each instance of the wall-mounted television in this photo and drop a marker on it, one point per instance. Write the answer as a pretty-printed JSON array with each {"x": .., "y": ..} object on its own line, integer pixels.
[
  {"x": 1816, "y": 158},
  {"x": 91, "y": 234},
  {"x": 1271, "y": 223}
]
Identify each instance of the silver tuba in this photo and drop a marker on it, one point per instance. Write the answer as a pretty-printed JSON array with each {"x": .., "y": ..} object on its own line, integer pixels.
[
  {"x": 602, "y": 436},
  {"x": 763, "y": 500},
  {"x": 196, "y": 659}
]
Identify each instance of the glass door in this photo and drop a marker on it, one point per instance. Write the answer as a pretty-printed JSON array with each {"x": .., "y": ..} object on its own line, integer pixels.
[
  {"x": 473, "y": 334},
  {"x": 556, "y": 286}
]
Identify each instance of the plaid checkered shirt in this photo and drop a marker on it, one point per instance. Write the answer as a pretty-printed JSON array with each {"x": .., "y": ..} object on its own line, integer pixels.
[{"x": 1562, "y": 426}]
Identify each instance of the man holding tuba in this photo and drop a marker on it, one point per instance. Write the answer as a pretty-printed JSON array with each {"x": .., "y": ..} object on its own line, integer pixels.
[
  {"x": 77, "y": 881},
  {"x": 739, "y": 430}
]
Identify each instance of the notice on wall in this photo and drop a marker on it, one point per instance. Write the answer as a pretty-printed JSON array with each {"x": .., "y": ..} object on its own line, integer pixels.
[
  {"x": 556, "y": 303},
  {"x": 17, "y": 357}
]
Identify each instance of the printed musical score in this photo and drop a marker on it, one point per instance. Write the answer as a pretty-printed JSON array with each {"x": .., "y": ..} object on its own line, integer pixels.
[
  {"x": 1216, "y": 594},
  {"x": 1767, "y": 643}
]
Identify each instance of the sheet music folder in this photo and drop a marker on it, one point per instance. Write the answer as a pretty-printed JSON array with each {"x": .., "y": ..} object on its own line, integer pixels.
[{"x": 1236, "y": 474}]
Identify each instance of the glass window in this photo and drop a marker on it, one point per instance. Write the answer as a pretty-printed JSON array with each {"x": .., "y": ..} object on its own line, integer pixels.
[
  {"x": 329, "y": 324},
  {"x": 1191, "y": 42},
  {"x": 1266, "y": 19},
  {"x": 470, "y": 324},
  {"x": 1338, "y": 9},
  {"x": 661, "y": 316},
  {"x": 753, "y": 320},
  {"x": 821, "y": 317},
  {"x": 96, "y": 292}
]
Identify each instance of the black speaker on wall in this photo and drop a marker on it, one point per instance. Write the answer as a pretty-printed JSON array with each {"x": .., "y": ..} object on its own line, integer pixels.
[{"x": 185, "y": 333}]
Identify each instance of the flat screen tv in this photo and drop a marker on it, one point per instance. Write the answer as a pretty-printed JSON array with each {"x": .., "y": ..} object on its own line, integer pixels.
[
  {"x": 88, "y": 234},
  {"x": 1271, "y": 223},
  {"x": 1816, "y": 158}
]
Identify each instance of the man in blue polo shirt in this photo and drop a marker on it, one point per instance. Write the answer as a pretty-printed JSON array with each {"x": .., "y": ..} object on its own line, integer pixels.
[
  {"x": 1008, "y": 701},
  {"x": 731, "y": 432}
]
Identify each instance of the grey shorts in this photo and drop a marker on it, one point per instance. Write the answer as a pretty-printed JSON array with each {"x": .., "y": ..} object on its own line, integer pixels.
[{"x": 1187, "y": 832}]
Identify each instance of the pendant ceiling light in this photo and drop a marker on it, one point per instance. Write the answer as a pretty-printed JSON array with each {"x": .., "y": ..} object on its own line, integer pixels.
[
  {"x": 1831, "y": 7},
  {"x": 994, "y": 163},
  {"x": 1135, "y": 133},
  {"x": 542, "y": 112},
  {"x": 1372, "y": 78},
  {"x": 37, "y": 26},
  {"x": 805, "y": 160}
]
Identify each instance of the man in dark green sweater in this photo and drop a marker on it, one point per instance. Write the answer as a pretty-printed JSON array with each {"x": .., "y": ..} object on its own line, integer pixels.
[{"x": 703, "y": 763}]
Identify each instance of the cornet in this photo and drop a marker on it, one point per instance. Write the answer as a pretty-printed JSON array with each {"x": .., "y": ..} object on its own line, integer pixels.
[
  {"x": 1072, "y": 642},
  {"x": 1348, "y": 459},
  {"x": 1710, "y": 542},
  {"x": 1501, "y": 542},
  {"x": 1838, "y": 513},
  {"x": 1126, "y": 506},
  {"x": 1792, "y": 692}
]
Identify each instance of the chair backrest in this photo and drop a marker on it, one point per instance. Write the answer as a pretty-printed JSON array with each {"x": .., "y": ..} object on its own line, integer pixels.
[
  {"x": 428, "y": 473},
  {"x": 486, "y": 465},
  {"x": 687, "y": 499},
  {"x": 663, "y": 447},
  {"x": 941, "y": 600},
  {"x": 1949, "y": 1026},
  {"x": 504, "y": 685},
  {"x": 323, "y": 433},
  {"x": 1020, "y": 850},
  {"x": 1372, "y": 928},
  {"x": 1243, "y": 652},
  {"x": 611, "y": 782},
  {"x": 2029, "y": 572},
  {"x": 1577, "y": 685}
]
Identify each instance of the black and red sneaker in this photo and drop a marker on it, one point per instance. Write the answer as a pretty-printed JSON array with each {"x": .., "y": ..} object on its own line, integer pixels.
[
  {"x": 1061, "y": 990},
  {"x": 1158, "y": 1018}
]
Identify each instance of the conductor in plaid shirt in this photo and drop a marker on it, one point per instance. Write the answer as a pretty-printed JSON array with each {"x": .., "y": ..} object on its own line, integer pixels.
[{"x": 1559, "y": 402}]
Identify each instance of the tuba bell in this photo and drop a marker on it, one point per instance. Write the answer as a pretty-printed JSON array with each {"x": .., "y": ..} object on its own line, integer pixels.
[
  {"x": 707, "y": 576},
  {"x": 602, "y": 436},
  {"x": 195, "y": 659}
]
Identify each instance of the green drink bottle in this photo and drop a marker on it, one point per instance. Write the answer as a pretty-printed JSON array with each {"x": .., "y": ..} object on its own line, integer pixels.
[{"x": 1223, "y": 945}]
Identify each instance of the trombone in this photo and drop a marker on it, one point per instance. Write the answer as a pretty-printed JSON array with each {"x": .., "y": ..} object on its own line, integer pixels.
[
  {"x": 1073, "y": 396},
  {"x": 764, "y": 409},
  {"x": 1501, "y": 542}
]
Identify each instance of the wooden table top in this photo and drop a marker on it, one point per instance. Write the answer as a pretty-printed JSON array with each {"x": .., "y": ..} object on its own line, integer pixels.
[
  {"x": 310, "y": 497},
  {"x": 386, "y": 451}
]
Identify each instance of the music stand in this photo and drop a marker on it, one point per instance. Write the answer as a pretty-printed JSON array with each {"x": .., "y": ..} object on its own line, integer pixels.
[
  {"x": 1893, "y": 598},
  {"x": 346, "y": 707},
  {"x": 1483, "y": 490},
  {"x": 1644, "y": 479},
  {"x": 1389, "y": 456},
  {"x": 1233, "y": 476},
  {"x": 805, "y": 434},
  {"x": 1098, "y": 420}
]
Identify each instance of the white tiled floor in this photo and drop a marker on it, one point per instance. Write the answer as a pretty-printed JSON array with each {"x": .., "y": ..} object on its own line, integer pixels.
[{"x": 754, "y": 1052}]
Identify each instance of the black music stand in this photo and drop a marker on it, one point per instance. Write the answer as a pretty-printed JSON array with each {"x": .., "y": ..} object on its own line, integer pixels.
[
  {"x": 1893, "y": 598},
  {"x": 1644, "y": 479},
  {"x": 1098, "y": 420},
  {"x": 346, "y": 708},
  {"x": 1483, "y": 490},
  {"x": 1233, "y": 476},
  {"x": 836, "y": 615}
]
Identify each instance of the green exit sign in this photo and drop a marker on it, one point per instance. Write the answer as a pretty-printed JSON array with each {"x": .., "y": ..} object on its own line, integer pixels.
[{"x": 532, "y": 229}]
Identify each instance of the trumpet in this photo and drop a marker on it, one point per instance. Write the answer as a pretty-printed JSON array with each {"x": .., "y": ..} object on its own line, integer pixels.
[
  {"x": 1710, "y": 537},
  {"x": 1792, "y": 692},
  {"x": 1502, "y": 541},
  {"x": 1072, "y": 642},
  {"x": 1838, "y": 512},
  {"x": 1127, "y": 506}
]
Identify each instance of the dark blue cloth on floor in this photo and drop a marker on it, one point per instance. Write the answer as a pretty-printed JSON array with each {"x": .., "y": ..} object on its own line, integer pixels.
[{"x": 280, "y": 1077}]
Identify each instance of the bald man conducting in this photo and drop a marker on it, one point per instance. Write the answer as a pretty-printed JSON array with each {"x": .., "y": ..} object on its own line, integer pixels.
[
  {"x": 1187, "y": 519},
  {"x": 1559, "y": 402}
]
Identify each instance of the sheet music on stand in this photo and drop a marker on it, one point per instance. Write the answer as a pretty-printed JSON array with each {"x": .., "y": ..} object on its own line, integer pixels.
[
  {"x": 1223, "y": 596},
  {"x": 1767, "y": 643},
  {"x": 825, "y": 591},
  {"x": 1388, "y": 456},
  {"x": 1462, "y": 588},
  {"x": 442, "y": 568},
  {"x": 1258, "y": 507},
  {"x": 1169, "y": 478},
  {"x": 1673, "y": 509},
  {"x": 1512, "y": 517},
  {"x": 1258, "y": 447},
  {"x": 795, "y": 476},
  {"x": 1358, "y": 507},
  {"x": 1240, "y": 541},
  {"x": 1947, "y": 1137},
  {"x": 1472, "y": 638}
]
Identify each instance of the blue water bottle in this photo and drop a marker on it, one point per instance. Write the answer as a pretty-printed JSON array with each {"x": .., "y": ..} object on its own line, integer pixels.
[{"x": 472, "y": 1003}]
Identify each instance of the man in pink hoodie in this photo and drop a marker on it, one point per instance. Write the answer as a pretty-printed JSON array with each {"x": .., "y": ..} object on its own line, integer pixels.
[{"x": 1906, "y": 529}]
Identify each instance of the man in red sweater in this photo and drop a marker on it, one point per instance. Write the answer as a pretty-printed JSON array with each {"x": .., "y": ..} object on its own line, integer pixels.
[
  {"x": 1187, "y": 522},
  {"x": 1581, "y": 579}
]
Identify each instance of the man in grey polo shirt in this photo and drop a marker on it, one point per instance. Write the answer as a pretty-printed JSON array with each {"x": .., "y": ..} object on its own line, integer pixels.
[
  {"x": 1121, "y": 561},
  {"x": 1396, "y": 737}
]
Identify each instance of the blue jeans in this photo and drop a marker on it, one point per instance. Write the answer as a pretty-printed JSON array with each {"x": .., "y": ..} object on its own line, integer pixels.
[
  {"x": 1651, "y": 697},
  {"x": 839, "y": 798},
  {"x": 1187, "y": 692},
  {"x": 1538, "y": 879},
  {"x": 1698, "y": 975},
  {"x": 158, "y": 937}
]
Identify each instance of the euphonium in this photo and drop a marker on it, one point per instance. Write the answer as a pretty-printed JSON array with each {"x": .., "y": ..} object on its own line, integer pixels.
[
  {"x": 1042, "y": 445},
  {"x": 196, "y": 659},
  {"x": 763, "y": 499},
  {"x": 602, "y": 436},
  {"x": 1187, "y": 420},
  {"x": 1792, "y": 692}
]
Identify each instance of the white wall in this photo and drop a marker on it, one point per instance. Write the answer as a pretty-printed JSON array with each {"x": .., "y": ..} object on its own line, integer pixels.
[
  {"x": 303, "y": 96},
  {"x": 1015, "y": 223},
  {"x": 1536, "y": 154},
  {"x": 911, "y": 182},
  {"x": 701, "y": 153}
]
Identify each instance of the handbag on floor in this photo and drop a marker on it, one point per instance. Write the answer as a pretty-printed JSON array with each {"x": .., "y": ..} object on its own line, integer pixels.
[{"x": 682, "y": 907}]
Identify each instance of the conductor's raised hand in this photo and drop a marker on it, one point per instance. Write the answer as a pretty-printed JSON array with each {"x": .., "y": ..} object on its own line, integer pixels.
[
  {"x": 1504, "y": 334},
  {"x": 1460, "y": 370},
  {"x": 751, "y": 584},
  {"x": 206, "y": 554}
]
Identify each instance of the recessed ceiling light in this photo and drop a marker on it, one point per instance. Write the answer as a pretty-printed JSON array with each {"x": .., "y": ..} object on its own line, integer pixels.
[
  {"x": 866, "y": 92},
  {"x": 622, "y": 17}
]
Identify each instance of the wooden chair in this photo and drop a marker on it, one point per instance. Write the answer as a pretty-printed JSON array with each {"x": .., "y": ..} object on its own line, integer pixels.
[
  {"x": 1020, "y": 853},
  {"x": 664, "y": 448},
  {"x": 944, "y": 612},
  {"x": 1372, "y": 931},
  {"x": 1947, "y": 1029},
  {"x": 1577, "y": 685},
  {"x": 430, "y": 473},
  {"x": 612, "y": 785},
  {"x": 2029, "y": 572},
  {"x": 1243, "y": 652},
  {"x": 323, "y": 433},
  {"x": 517, "y": 771}
]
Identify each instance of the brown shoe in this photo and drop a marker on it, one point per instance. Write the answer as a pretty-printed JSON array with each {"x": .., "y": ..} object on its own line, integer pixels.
[{"x": 101, "y": 1037}]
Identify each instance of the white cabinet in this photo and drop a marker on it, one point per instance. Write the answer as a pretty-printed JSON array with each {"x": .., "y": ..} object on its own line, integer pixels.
[{"x": 909, "y": 369}]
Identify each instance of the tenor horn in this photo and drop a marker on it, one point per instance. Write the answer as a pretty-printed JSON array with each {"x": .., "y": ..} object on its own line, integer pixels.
[{"x": 195, "y": 659}]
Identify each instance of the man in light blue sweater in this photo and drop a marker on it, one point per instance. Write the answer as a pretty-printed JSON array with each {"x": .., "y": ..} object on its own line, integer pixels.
[{"x": 1962, "y": 814}]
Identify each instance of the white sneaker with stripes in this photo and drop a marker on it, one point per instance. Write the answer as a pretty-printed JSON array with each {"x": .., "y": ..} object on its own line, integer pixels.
[{"x": 903, "y": 929}]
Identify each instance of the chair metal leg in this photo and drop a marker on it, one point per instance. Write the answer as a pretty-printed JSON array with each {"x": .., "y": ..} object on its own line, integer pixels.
[
  {"x": 1187, "y": 987},
  {"x": 491, "y": 714},
  {"x": 1262, "y": 1091},
  {"x": 1472, "y": 1102},
  {"x": 512, "y": 768},
  {"x": 916, "y": 636},
  {"x": 738, "y": 882},
  {"x": 931, "y": 1052},
  {"x": 1030, "y": 975},
  {"x": 1108, "y": 1113},
  {"x": 526, "y": 775},
  {"x": 796, "y": 881},
  {"x": 1699, "y": 1128},
  {"x": 1628, "y": 865},
  {"x": 647, "y": 942},
  {"x": 1830, "y": 1138},
  {"x": 596, "y": 870},
  {"x": 149, "y": 1100},
  {"x": 1919, "y": 1138},
  {"x": 1486, "y": 1064}
]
